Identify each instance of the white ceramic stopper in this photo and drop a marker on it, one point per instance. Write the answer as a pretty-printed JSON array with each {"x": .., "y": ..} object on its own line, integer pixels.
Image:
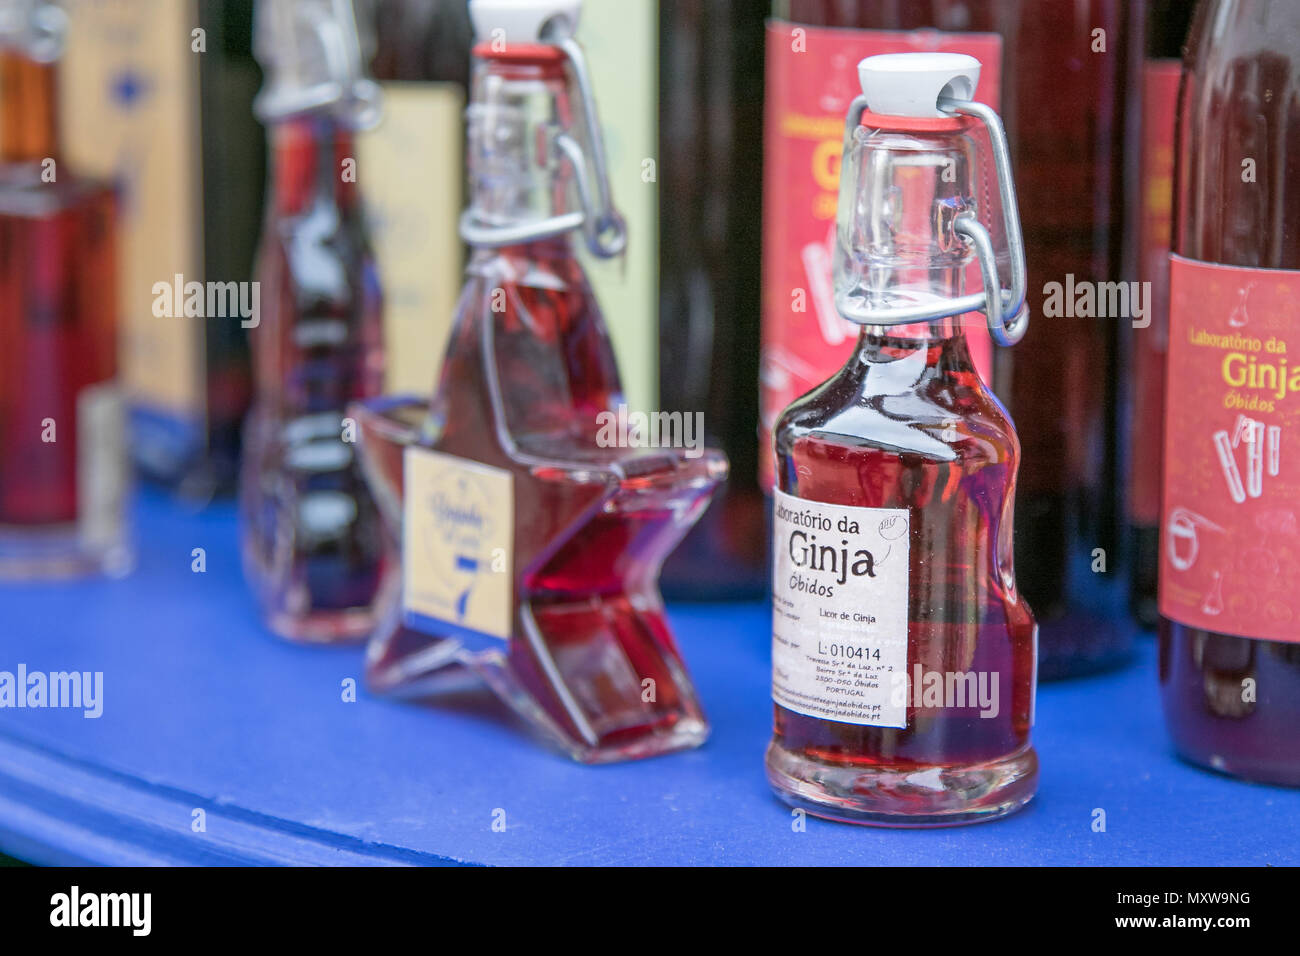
[
  {"x": 524, "y": 21},
  {"x": 910, "y": 84}
]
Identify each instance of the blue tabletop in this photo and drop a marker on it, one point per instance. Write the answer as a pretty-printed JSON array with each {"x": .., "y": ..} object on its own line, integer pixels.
[{"x": 221, "y": 744}]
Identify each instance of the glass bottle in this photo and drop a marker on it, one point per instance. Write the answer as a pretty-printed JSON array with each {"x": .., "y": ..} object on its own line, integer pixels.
[
  {"x": 533, "y": 524},
  {"x": 63, "y": 460},
  {"x": 1166, "y": 29},
  {"x": 710, "y": 101},
  {"x": 903, "y": 656},
  {"x": 1229, "y": 562},
  {"x": 312, "y": 536},
  {"x": 1064, "y": 103},
  {"x": 233, "y": 169}
]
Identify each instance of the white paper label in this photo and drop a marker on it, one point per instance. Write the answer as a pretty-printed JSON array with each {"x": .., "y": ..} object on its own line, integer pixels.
[
  {"x": 839, "y": 611},
  {"x": 102, "y": 466}
]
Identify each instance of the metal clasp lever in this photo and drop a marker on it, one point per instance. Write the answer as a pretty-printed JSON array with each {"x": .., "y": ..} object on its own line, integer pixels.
[
  {"x": 602, "y": 226},
  {"x": 603, "y": 229},
  {"x": 1009, "y": 320}
]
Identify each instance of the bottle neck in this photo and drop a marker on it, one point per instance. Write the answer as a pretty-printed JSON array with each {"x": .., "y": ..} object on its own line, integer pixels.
[
  {"x": 943, "y": 342},
  {"x": 28, "y": 110},
  {"x": 313, "y": 159},
  {"x": 906, "y": 184},
  {"x": 520, "y": 179},
  {"x": 554, "y": 248}
]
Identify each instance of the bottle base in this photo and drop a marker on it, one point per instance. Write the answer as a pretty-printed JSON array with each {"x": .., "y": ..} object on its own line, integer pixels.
[
  {"x": 685, "y": 734},
  {"x": 348, "y": 626},
  {"x": 59, "y": 552},
  {"x": 1273, "y": 773},
  {"x": 1213, "y": 722},
  {"x": 907, "y": 798},
  {"x": 1083, "y": 645},
  {"x": 408, "y": 664}
]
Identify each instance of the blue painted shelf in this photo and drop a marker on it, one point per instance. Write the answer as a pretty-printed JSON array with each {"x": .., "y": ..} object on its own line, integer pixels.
[{"x": 203, "y": 710}]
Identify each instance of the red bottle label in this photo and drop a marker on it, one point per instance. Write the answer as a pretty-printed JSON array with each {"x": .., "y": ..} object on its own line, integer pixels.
[
  {"x": 1159, "y": 105},
  {"x": 1230, "y": 540},
  {"x": 811, "y": 80}
]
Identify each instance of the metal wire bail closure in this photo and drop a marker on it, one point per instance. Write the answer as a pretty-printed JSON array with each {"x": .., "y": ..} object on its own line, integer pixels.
[
  {"x": 325, "y": 74},
  {"x": 1009, "y": 320},
  {"x": 603, "y": 228}
]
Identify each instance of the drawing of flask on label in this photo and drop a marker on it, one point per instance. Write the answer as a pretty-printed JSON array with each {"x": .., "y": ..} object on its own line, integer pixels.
[
  {"x": 1181, "y": 542},
  {"x": 1212, "y": 603},
  {"x": 1240, "y": 316}
]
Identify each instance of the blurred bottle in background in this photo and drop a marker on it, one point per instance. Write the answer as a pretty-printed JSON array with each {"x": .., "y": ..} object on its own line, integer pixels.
[
  {"x": 1229, "y": 565},
  {"x": 63, "y": 464},
  {"x": 312, "y": 540},
  {"x": 682, "y": 80},
  {"x": 414, "y": 162},
  {"x": 1166, "y": 31},
  {"x": 1062, "y": 68},
  {"x": 159, "y": 98},
  {"x": 531, "y": 541},
  {"x": 710, "y": 165},
  {"x": 416, "y": 190}
]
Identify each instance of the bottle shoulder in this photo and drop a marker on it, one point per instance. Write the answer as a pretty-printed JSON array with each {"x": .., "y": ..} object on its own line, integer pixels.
[
  {"x": 27, "y": 191},
  {"x": 942, "y": 415},
  {"x": 323, "y": 255}
]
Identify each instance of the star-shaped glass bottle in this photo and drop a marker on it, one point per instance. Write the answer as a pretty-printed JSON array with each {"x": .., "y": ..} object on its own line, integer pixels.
[{"x": 533, "y": 508}]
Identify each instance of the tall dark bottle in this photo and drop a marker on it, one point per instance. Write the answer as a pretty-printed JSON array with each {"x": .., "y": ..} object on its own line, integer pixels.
[
  {"x": 1166, "y": 31},
  {"x": 1058, "y": 72},
  {"x": 1230, "y": 535},
  {"x": 710, "y": 111}
]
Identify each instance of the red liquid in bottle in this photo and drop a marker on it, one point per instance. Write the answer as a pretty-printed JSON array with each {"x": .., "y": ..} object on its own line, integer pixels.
[
  {"x": 313, "y": 540},
  {"x": 963, "y": 612},
  {"x": 585, "y": 655},
  {"x": 1232, "y": 703},
  {"x": 903, "y": 656},
  {"x": 1064, "y": 107}
]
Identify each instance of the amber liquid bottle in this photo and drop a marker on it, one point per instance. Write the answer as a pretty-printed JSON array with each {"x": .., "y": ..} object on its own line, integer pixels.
[
  {"x": 1230, "y": 571},
  {"x": 1064, "y": 106},
  {"x": 63, "y": 474}
]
